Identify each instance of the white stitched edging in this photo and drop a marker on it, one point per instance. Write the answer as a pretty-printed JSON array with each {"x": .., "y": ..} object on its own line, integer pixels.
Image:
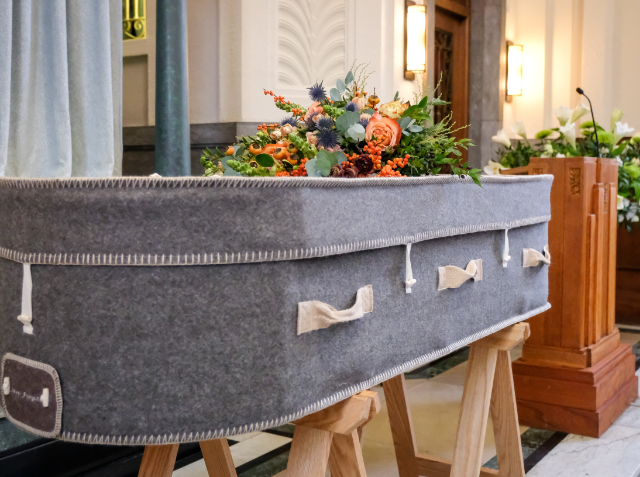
[
  {"x": 249, "y": 182},
  {"x": 225, "y": 258},
  {"x": 317, "y": 406}
]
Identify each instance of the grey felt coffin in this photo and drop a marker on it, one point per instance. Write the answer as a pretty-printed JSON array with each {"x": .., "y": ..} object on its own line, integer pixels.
[{"x": 169, "y": 307}]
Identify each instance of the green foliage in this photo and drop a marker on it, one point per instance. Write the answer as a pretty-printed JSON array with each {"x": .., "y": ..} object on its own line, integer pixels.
[{"x": 301, "y": 143}]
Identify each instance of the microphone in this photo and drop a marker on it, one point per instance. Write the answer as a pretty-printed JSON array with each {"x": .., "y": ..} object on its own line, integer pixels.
[{"x": 595, "y": 127}]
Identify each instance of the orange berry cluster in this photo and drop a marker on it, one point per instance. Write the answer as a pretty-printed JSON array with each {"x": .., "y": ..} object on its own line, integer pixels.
[
  {"x": 276, "y": 99},
  {"x": 283, "y": 174},
  {"x": 296, "y": 112},
  {"x": 389, "y": 169},
  {"x": 300, "y": 171},
  {"x": 375, "y": 153},
  {"x": 265, "y": 127}
]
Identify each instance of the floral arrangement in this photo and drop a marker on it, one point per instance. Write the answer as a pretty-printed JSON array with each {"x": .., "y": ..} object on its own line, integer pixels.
[
  {"x": 564, "y": 142},
  {"x": 347, "y": 134}
]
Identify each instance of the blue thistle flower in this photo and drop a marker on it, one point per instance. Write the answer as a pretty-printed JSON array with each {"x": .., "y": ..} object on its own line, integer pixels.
[
  {"x": 364, "y": 122},
  {"x": 327, "y": 138},
  {"x": 351, "y": 106},
  {"x": 317, "y": 92},
  {"x": 325, "y": 123},
  {"x": 291, "y": 121}
]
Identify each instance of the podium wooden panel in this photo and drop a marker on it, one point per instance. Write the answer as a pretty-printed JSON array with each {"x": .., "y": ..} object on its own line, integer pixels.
[{"x": 575, "y": 375}]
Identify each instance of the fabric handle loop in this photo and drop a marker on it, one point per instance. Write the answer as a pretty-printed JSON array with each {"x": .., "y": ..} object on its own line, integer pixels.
[
  {"x": 505, "y": 251},
  {"x": 454, "y": 277},
  {"x": 409, "y": 280},
  {"x": 533, "y": 258},
  {"x": 26, "y": 314},
  {"x": 315, "y": 315}
]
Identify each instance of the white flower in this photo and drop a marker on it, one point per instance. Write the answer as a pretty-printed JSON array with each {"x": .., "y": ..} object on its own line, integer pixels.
[
  {"x": 635, "y": 219},
  {"x": 286, "y": 129},
  {"x": 502, "y": 138},
  {"x": 635, "y": 162},
  {"x": 580, "y": 111},
  {"x": 620, "y": 218},
  {"x": 312, "y": 138},
  {"x": 563, "y": 114},
  {"x": 276, "y": 135},
  {"x": 493, "y": 168},
  {"x": 360, "y": 102},
  {"x": 616, "y": 117},
  {"x": 548, "y": 151},
  {"x": 365, "y": 116},
  {"x": 620, "y": 131},
  {"x": 519, "y": 129},
  {"x": 560, "y": 155},
  {"x": 620, "y": 163},
  {"x": 569, "y": 131},
  {"x": 604, "y": 151},
  {"x": 622, "y": 202}
]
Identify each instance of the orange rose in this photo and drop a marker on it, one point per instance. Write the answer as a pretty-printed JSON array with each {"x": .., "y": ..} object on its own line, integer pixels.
[
  {"x": 387, "y": 132},
  {"x": 315, "y": 108}
]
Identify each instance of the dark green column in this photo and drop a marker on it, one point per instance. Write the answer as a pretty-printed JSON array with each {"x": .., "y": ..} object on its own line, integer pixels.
[{"x": 173, "y": 147}]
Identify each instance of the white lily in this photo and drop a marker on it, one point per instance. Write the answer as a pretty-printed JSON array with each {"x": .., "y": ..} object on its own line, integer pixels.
[
  {"x": 620, "y": 131},
  {"x": 622, "y": 202},
  {"x": 519, "y": 129},
  {"x": 560, "y": 155},
  {"x": 502, "y": 138},
  {"x": 616, "y": 117},
  {"x": 580, "y": 111},
  {"x": 493, "y": 168},
  {"x": 563, "y": 114},
  {"x": 569, "y": 131}
]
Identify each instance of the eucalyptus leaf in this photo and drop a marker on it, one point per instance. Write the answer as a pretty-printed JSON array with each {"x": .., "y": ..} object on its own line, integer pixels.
[
  {"x": 323, "y": 165},
  {"x": 404, "y": 122},
  {"x": 328, "y": 156},
  {"x": 335, "y": 95},
  {"x": 415, "y": 128},
  {"x": 341, "y": 86},
  {"x": 356, "y": 132},
  {"x": 312, "y": 170},
  {"x": 348, "y": 119},
  {"x": 349, "y": 77},
  {"x": 264, "y": 160},
  {"x": 370, "y": 111},
  {"x": 340, "y": 156}
]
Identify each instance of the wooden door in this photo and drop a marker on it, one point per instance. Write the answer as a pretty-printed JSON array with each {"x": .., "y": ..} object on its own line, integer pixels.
[{"x": 451, "y": 62}]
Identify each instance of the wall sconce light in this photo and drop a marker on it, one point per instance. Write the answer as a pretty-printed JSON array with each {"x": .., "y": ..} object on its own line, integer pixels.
[
  {"x": 415, "y": 39},
  {"x": 514, "y": 70}
]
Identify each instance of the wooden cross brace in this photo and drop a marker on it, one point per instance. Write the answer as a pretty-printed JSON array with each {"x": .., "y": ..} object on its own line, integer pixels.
[{"x": 488, "y": 387}]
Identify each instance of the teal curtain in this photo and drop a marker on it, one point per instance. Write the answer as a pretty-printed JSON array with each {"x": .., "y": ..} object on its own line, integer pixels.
[{"x": 60, "y": 88}]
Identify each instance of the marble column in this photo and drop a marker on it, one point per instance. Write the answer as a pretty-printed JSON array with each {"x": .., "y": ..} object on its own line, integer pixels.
[
  {"x": 172, "y": 103},
  {"x": 486, "y": 77}
]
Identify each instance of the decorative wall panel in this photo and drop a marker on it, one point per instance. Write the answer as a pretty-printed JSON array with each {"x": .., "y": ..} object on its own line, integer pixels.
[{"x": 311, "y": 42}]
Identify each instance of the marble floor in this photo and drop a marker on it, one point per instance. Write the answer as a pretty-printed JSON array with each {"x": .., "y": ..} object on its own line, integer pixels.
[{"x": 434, "y": 393}]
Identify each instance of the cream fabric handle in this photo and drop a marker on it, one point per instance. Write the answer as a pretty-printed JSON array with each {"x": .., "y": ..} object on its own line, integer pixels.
[
  {"x": 532, "y": 258},
  {"x": 315, "y": 315},
  {"x": 454, "y": 277},
  {"x": 26, "y": 314}
]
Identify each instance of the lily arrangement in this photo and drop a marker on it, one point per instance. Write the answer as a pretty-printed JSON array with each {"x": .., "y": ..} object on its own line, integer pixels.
[
  {"x": 563, "y": 141},
  {"x": 346, "y": 132}
]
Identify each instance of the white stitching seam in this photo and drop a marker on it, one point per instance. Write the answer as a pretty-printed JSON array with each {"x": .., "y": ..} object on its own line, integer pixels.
[
  {"x": 253, "y": 257},
  {"x": 339, "y": 396}
]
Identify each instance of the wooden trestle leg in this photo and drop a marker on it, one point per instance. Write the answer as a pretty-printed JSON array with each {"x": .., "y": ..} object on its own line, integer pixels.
[
  {"x": 488, "y": 387},
  {"x": 331, "y": 437},
  {"x": 328, "y": 437}
]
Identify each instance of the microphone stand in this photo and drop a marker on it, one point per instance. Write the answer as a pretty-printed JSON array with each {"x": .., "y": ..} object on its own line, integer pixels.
[{"x": 595, "y": 127}]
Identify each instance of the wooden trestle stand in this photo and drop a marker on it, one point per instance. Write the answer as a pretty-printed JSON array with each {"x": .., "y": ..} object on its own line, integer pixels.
[
  {"x": 574, "y": 375},
  {"x": 488, "y": 387},
  {"x": 328, "y": 437}
]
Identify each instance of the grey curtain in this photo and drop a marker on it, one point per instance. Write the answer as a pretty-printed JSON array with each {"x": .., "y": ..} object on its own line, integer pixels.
[{"x": 60, "y": 88}]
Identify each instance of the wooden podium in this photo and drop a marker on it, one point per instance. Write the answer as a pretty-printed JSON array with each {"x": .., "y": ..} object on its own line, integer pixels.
[{"x": 574, "y": 375}]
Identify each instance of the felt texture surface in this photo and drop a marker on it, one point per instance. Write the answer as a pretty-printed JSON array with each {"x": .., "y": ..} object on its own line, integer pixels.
[
  {"x": 171, "y": 352},
  {"x": 207, "y": 217}
]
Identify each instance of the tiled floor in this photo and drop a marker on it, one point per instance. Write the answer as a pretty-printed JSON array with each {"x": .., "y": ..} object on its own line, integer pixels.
[{"x": 434, "y": 393}]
